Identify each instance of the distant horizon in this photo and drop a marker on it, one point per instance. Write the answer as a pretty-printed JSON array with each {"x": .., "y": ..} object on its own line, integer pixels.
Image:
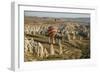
[
  {"x": 59, "y": 17},
  {"x": 55, "y": 14}
]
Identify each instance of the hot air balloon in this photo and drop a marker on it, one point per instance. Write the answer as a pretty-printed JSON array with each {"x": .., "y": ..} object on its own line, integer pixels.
[{"x": 52, "y": 30}]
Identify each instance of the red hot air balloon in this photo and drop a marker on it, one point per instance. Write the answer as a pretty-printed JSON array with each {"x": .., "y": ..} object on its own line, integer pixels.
[{"x": 52, "y": 30}]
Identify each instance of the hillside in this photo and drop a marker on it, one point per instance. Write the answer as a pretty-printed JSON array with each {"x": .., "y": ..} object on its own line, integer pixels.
[{"x": 72, "y": 39}]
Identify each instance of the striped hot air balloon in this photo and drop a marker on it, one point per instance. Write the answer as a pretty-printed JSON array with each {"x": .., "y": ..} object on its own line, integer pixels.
[{"x": 52, "y": 30}]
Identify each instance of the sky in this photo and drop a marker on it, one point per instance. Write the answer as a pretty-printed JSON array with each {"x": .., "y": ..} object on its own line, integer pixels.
[{"x": 56, "y": 14}]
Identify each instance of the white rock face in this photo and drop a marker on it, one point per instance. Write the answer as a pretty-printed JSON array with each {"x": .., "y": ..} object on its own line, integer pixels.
[
  {"x": 27, "y": 46},
  {"x": 52, "y": 51},
  {"x": 36, "y": 48}
]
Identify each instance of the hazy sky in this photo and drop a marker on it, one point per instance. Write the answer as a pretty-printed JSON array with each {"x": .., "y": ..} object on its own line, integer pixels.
[{"x": 56, "y": 14}]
